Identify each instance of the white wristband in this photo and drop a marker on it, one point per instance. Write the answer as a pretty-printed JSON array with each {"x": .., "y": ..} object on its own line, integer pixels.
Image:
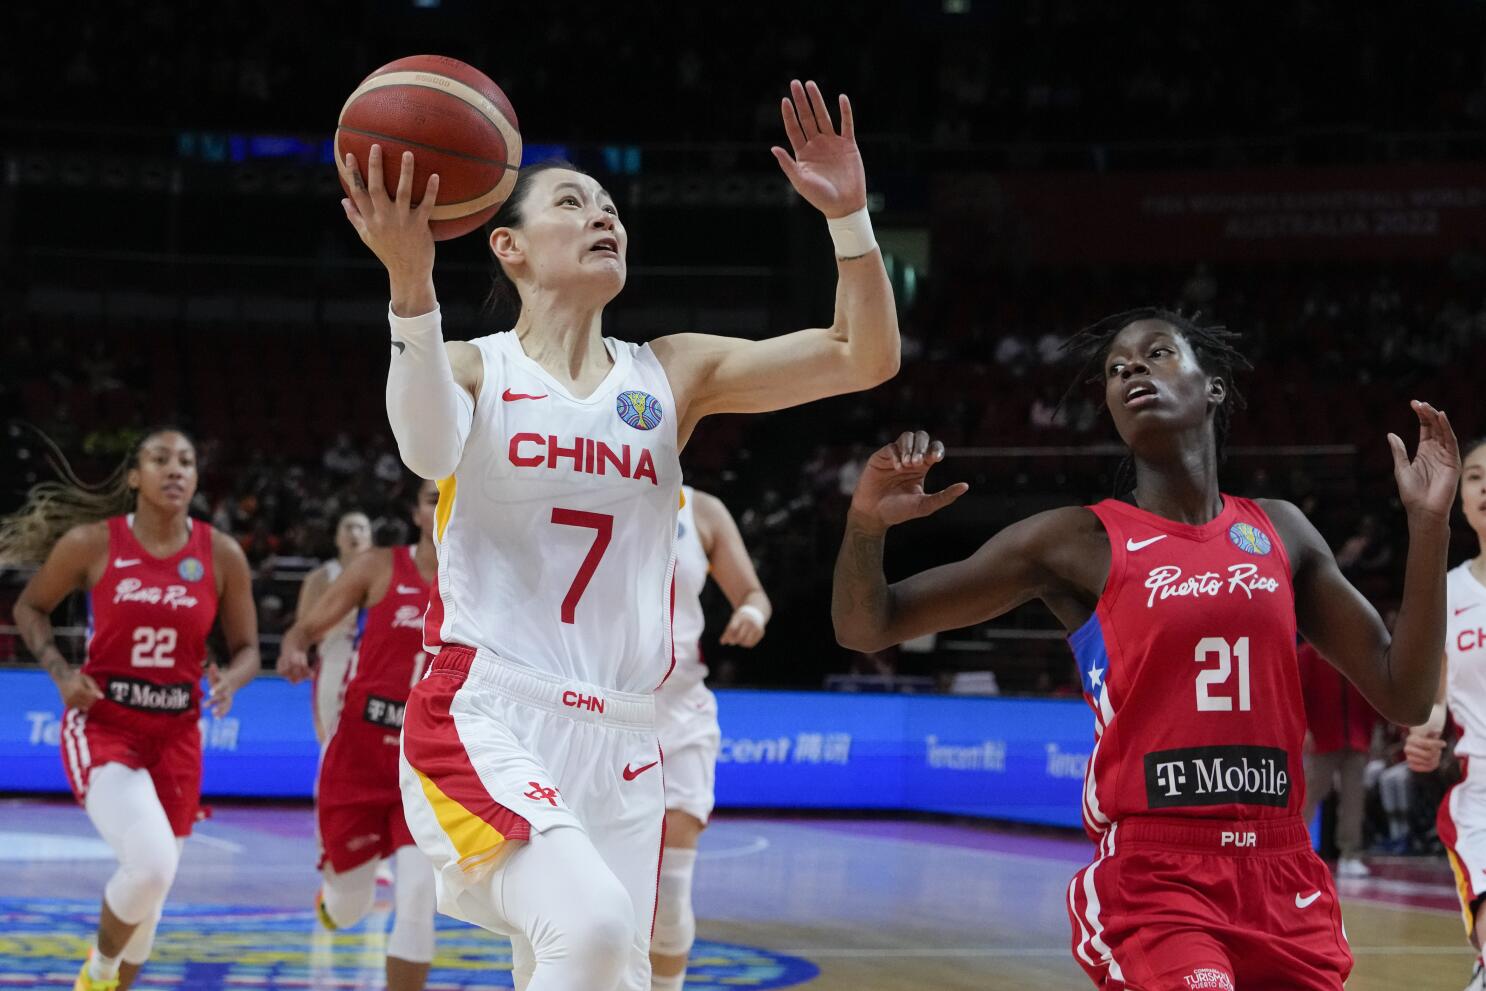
[
  {"x": 852, "y": 234},
  {"x": 1436, "y": 721},
  {"x": 754, "y": 611}
]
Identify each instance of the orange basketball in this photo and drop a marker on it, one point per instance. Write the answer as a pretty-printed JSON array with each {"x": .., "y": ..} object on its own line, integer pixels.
[{"x": 454, "y": 120}]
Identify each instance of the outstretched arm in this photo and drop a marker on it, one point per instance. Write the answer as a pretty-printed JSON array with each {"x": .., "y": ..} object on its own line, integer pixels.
[
  {"x": 1009, "y": 569},
  {"x": 732, "y": 569},
  {"x": 1399, "y": 674},
  {"x": 859, "y": 349},
  {"x": 350, "y": 590},
  {"x": 431, "y": 386}
]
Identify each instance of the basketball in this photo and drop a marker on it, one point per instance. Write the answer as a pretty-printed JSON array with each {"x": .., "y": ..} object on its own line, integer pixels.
[{"x": 454, "y": 120}]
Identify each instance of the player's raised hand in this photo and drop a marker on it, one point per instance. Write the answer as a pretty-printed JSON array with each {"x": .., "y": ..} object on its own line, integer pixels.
[
  {"x": 79, "y": 691},
  {"x": 891, "y": 489},
  {"x": 397, "y": 232},
  {"x": 823, "y": 166},
  {"x": 1428, "y": 483}
]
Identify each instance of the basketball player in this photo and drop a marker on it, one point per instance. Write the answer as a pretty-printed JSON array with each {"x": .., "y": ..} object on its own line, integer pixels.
[
  {"x": 1182, "y": 604},
  {"x": 531, "y": 769},
  {"x": 1462, "y": 815},
  {"x": 707, "y": 541},
  {"x": 352, "y": 536},
  {"x": 156, "y": 580},
  {"x": 358, "y": 806}
]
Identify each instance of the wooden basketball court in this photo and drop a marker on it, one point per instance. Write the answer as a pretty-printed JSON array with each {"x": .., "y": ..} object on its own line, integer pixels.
[{"x": 828, "y": 904}]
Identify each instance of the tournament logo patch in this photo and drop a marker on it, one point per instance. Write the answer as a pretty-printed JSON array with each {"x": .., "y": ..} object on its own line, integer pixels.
[
  {"x": 640, "y": 410},
  {"x": 191, "y": 570},
  {"x": 1249, "y": 538}
]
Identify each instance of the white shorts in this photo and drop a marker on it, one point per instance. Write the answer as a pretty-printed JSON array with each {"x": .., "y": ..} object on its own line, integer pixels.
[
  {"x": 690, "y": 738},
  {"x": 492, "y": 753},
  {"x": 1462, "y": 828}
]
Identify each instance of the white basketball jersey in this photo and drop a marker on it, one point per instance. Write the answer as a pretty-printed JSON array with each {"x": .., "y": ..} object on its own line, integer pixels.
[
  {"x": 1465, "y": 655},
  {"x": 556, "y": 532},
  {"x": 337, "y": 643},
  {"x": 691, "y": 577}
]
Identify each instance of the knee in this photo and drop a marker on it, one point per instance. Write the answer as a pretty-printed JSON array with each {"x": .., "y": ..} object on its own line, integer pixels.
[
  {"x": 675, "y": 922},
  {"x": 347, "y": 898},
  {"x": 603, "y": 934},
  {"x": 412, "y": 936},
  {"x": 151, "y": 872}
]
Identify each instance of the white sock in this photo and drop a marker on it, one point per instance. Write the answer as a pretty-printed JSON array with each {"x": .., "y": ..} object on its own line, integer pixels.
[
  {"x": 102, "y": 968},
  {"x": 658, "y": 983}
]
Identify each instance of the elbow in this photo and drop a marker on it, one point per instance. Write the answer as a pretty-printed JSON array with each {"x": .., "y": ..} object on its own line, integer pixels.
[
  {"x": 859, "y": 640},
  {"x": 433, "y": 465},
  {"x": 1411, "y": 712}
]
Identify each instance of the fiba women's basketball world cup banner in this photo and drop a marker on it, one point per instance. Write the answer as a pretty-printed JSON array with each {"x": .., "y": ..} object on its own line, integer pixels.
[
  {"x": 1016, "y": 759},
  {"x": 1381, "y": 212}
]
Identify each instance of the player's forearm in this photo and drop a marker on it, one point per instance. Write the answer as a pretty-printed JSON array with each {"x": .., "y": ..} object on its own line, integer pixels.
[
  {"x": 36, "y": 632},
  {"x": 430, "y": 413},
  {"x": 244, "y": 666},
  {"x": 1418, "y": 643},
  {"x": 861, "y": 603},
  {"x": 757, "y": 599},
  {"x": 867, "y": 318}
]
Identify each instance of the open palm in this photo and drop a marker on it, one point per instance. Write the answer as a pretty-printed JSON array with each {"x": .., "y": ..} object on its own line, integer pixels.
[
  {"x": 891, "y": 489},
  {"x": 1428, "y": 483},
  {"x": 826, "y": 167}
]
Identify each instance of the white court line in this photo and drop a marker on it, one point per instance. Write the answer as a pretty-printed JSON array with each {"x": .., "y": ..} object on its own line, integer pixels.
[
  {"x": 993, "y": 952},
  {"x": 758, "y": 845},
  {"x": 220, "y": 844}
]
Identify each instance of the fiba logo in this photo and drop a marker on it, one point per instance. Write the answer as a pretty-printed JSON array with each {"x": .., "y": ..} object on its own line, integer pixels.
[
  {"x": 640, "y": 410},
  {"x": 1249, "y": 538},
  {"x": 191, "y": 570}
]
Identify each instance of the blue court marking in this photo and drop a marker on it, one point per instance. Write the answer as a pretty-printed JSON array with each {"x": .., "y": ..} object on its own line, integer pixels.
[{"x": 238, "y": 948}]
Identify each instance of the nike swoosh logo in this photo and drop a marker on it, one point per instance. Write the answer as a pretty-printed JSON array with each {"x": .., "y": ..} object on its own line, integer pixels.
[
  {"x": 1135, "y": 545},
  {"x": 1464, "y": 608},
  {"x": 121, "y": 563},
  {"x": 631, "y": 774},
  {"x": 408, "y": 590},
  {"x": 511, "y": 397},
  {"x": 401, "y": 347},
  {"x": 1306, "y": 901}
]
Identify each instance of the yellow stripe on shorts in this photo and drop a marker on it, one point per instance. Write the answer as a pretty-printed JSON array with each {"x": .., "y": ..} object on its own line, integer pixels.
[
  {"x": 475, "y": 841},
  {"x": 1463, "y": 889}
]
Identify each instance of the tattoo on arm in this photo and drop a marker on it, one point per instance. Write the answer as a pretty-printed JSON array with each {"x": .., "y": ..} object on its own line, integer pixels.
[{"x": 860, "y": 590}]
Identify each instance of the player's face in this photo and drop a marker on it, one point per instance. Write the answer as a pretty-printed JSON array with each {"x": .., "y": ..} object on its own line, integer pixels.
[
  {"x": 353, "y": 535},
  {"x": 165, "y": 474},
  {"x": 1153, "y": 385},
  {"x": 427, "y": 505},
  {"x": 1473, "y": 488},
  {"x": 570, "y": 235}
]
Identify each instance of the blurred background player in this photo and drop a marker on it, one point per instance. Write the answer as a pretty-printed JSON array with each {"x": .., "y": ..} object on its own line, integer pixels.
[
  {"x": 1190, "y": 677},
  {"x": 333, "y": 651},
  {"x": 131, "y": 746},
  {"x": 528, "y": 745},
  {"x": 358, "y": 805},
  {"x": 707, "y": 542},
  {"x": 1462, "y": 814},
  {"x": 1338, "y": 743}
]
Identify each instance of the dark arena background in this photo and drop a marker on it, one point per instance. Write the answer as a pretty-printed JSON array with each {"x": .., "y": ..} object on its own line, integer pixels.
[{"x": 172, "y": 249}]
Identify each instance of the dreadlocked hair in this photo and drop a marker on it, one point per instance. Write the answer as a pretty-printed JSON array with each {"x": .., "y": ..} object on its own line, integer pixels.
[
  {"x": 1213, "y": 346},
  {"x": 54, "y": 507}
]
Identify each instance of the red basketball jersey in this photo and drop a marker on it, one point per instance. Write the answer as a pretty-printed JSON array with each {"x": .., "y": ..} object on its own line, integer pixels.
[
  {"x": 1189, "y": 665},
  {"x": 389, "y": 657},
  {"x": 148, "y": 619}
]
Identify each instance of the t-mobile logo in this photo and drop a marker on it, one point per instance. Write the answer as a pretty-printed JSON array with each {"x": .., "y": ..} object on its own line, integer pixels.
[{"x": 1170, "y": 776}]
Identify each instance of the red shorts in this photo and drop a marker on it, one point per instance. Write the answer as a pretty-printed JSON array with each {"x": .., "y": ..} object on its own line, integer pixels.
[
  {"x": 1181, "y": 904},
  {"x": 172, "y": 757},
  {"x": 358, "y": 805}
]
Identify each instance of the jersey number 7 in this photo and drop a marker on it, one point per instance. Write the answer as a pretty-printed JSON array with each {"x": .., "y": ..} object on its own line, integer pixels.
[{"x": 603, "y": 525}]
